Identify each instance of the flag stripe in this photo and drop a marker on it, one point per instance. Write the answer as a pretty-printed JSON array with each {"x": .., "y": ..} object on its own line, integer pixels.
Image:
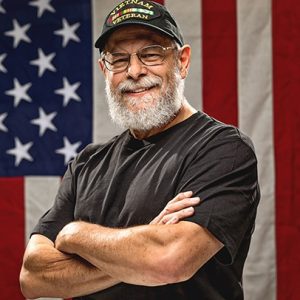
[
  {"x": 103, "y": 128},
  {"x": 160, "y": 1},
  {"x": 40, "y": 192},
  {"x": 189, "y": 21},
  {"x": 12, "y": 233},
  {"x": 256, "y": 100},
  {"x": 220, "y": 59},
  {"x": 286, "y": 62}
]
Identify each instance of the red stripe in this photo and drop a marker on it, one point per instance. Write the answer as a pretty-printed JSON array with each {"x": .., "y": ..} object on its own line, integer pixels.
[
  {"x": 160, "y": 1},
  {"x": 12, "y": 236},
  {"x": 219, "y": 31},
  {"x": 286, "y": 63}
]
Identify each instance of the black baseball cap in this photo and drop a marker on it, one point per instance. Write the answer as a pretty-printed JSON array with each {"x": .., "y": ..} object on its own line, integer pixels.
[{"x": 146, "y": 13}]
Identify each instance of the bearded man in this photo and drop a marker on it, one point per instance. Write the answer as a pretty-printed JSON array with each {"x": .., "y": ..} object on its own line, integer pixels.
[{"x": 166, "y": 209}]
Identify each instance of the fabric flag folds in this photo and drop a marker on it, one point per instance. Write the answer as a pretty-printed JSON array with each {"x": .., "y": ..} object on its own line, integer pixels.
[{"x": 245, "y": 71}]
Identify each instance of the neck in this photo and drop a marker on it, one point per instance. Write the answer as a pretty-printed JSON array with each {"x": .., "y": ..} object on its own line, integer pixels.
[{"x": 184, "y": 113}]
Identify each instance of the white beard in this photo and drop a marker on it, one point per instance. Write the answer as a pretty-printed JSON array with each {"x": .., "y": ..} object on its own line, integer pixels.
[{"x": 158, "y": 114}]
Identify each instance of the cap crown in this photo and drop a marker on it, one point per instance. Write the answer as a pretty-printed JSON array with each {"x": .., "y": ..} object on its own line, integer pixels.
[{"x": 147, "y": 13}]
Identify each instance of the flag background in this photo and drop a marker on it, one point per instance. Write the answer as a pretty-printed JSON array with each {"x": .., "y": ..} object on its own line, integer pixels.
[{"x": 245, "y": 71}]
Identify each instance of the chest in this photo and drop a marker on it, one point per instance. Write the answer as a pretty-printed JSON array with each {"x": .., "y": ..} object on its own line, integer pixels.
[{"x": 126, "y": 188}]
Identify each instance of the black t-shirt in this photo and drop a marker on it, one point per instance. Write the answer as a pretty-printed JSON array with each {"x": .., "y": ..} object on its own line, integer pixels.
[{"x": 127, "y": 182}]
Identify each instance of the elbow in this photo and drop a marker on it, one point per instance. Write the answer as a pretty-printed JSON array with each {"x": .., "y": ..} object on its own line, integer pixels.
[
  {"x": 28, "y": 278},
  {"x": 26, "y": 285},
  {"x": 33, "y": 287},
  {"x": 170, "y": 269},
  {"x": 33, "y": 284}
]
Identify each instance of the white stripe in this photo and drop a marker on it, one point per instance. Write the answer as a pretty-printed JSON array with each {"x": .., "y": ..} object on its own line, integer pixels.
[
  {"x": 188, "y": 16},
  {"x": 40, "y": 193},
  {"x": 103, "y": 128},
  {"x": 256, "y": 120}
]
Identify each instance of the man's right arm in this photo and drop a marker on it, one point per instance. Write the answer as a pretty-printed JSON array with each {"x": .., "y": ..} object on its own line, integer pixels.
[{"x": 47, "y": 272}]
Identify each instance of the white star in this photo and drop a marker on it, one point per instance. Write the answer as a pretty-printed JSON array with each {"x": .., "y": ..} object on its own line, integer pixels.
[
  {"x": 44, "y": 121},
  {"x": 19, "y": 92},
  {"x": 2, "y": 126},
  {"x": 69, "y": 150},
  {"x": 19, "y": 33},
  {"x": 2, "y": 10},
  {"x": 68, "y": 32},
  {"x": 2, "y": 68},
  {"x": 68, "y": 91},
  {"x": 42, "y": 5},
  {"x": 44, "y": 62},
  {"x": 20, "y": 151}
]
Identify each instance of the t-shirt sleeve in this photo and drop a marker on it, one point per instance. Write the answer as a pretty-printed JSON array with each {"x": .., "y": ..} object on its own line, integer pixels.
[
  {"x": 62, "y": 211},
  {"x": 224, "y": 176}
]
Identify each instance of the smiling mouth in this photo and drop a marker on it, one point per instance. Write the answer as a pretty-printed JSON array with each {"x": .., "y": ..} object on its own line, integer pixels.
[{"x": 139, "y": 90}]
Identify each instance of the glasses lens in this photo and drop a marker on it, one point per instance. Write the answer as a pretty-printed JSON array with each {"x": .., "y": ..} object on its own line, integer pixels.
[
  {"x": 152, "y": 55},
  {"x": 116, "y": 61},
  {"x": 149, "y": 56}
]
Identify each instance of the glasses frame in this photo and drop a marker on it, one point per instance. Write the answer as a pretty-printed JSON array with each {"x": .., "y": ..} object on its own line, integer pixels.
[{"x": 137, "y": 53}]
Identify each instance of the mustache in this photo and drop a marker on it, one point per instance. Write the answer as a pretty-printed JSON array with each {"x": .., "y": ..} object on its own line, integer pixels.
[{"x": 143, "y": 83}]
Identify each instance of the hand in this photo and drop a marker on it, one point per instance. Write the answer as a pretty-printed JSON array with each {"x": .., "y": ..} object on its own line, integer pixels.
[{"x": 180, "y": 207}]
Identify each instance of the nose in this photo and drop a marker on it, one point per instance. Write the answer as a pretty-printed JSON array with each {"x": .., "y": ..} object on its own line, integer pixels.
[{"x": 136, "y": 68}]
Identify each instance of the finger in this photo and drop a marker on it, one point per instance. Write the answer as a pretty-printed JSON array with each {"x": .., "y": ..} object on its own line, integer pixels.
[
  {"x": 169, "y": 208},
  {"x": 184, "y": 203},
  {"x": 177, "y": 216},
  {"x": 181, "y": 196},
  {"x": 176, "y": 206},
  {"x": 174, "y": 220},
  {"x": 157, "y": 219}
]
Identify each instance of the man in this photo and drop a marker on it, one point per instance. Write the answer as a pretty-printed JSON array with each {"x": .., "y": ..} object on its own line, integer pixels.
[{"x": 113, "y": 232}]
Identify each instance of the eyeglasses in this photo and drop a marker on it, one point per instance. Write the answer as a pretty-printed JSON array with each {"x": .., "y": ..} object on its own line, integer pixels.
[{"x": 150, "y": 56}]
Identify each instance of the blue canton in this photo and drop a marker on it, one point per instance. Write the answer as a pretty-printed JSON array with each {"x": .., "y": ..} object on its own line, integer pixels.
[{"x": 45, "y": 85}]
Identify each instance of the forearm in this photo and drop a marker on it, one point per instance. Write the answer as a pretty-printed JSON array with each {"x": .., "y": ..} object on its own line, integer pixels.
[
  {"x": 47, "y": 272},
  {"x": 112, "y": 250},
  {"x": 145, "y": 255}
]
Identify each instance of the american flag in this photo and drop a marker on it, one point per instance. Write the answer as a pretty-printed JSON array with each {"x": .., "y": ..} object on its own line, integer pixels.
[{"x": 245, "y": 71}]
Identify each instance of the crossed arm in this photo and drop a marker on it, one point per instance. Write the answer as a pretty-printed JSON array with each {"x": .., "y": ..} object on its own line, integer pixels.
[{"x": 86, "y": 258}]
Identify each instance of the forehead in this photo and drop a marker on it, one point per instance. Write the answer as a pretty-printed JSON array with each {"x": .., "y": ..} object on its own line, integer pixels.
[{"x": 136, "y": 33}]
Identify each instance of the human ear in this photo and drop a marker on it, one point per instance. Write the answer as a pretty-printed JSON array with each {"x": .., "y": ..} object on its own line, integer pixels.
[
  {"x": 102, "y": 67},
  {"x": 184, "y": 60}
]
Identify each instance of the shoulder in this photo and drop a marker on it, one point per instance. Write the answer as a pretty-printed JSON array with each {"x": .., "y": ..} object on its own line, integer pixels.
[{"x": 211, "y": 134}]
